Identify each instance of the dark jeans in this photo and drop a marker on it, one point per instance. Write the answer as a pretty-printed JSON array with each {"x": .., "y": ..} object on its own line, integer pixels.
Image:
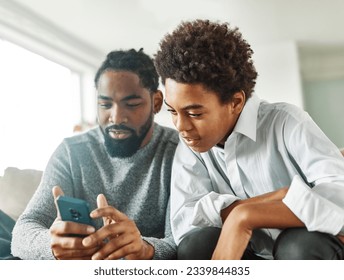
[
  {"x": 6, "y": 226},
  {"x": 291, "y": 244}
]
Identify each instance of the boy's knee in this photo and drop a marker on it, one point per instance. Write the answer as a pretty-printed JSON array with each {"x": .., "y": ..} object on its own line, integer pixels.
[
  {"x": 300, "y": 244},
  {"x": 199, "y": 244}
]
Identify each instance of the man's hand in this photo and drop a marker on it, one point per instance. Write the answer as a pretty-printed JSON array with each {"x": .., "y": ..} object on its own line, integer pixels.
[
  {"x": 66, "y": 237},
  {"x": 122, "y": 235}
]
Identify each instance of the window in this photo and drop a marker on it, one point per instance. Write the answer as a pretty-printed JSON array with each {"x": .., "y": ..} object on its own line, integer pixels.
[{"x": 39, "y": 106}]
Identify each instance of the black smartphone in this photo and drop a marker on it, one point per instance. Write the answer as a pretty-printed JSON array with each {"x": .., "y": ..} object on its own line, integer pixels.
[{"x": 74, "y": 209}]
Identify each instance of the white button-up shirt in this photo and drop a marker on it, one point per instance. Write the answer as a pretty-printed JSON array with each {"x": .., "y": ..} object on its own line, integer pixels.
[{"x": 271, "y": 146}]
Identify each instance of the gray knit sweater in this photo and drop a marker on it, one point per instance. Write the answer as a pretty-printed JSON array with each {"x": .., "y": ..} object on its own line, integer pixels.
[{"x": 138, "y": 186}]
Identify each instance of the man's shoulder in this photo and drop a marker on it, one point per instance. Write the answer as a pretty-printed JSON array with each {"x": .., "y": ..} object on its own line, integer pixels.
[
  {"x": 167, "y": 135},
  {"x": 87, "y": 137}
]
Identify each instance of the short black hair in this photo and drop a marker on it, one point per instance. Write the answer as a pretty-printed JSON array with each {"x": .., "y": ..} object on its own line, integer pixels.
[
  {"x": 133, "y": 61},
  {"x": 208, "y": 53}
]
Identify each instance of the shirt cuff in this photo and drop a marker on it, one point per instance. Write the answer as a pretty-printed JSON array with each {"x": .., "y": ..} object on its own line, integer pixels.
[
  {"x": 316, "y": 212},
  {"x": 207, "y": 209}
]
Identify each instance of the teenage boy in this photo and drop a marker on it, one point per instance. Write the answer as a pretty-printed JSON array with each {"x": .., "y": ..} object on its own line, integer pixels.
[{"x": 250, "y": 180}]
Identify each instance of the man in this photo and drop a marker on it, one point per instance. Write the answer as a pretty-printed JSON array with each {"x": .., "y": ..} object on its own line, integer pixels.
[
  {"x": 250, "y": 180},
  {"x": 125, "y": 162}
]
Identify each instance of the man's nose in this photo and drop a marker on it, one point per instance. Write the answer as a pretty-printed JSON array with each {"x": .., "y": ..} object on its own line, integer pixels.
[{"x": 118, "y": 115}]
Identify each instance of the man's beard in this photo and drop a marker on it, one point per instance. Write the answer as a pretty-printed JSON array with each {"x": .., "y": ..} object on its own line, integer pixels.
[{"x": 126, "y": 147}]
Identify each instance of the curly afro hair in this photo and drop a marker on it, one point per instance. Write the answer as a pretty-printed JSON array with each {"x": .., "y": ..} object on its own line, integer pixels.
[
  {"x": 207, "y": 53},
  {"x": 133, "y": 61}
]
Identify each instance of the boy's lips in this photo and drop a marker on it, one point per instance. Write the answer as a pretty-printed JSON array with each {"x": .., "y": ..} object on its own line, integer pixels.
[{"x": 191, "y": 141}]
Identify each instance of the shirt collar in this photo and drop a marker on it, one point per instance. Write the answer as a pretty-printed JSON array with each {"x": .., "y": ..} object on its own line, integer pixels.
[{"x": 247, "y": 121}]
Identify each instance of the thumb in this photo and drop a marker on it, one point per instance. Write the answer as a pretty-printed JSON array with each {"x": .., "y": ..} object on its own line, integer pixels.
[
  {"x": 102, "y": 202},
  {"x": 57, "y": 191}
]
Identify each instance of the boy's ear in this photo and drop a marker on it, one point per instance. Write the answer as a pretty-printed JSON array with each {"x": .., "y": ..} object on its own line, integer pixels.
[
  {"x": 157, "y": 101},
  {"x": 238, "y": 101}
]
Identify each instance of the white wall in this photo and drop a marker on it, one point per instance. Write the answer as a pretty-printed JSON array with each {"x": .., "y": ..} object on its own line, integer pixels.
[{"x": 279, "y": 77}]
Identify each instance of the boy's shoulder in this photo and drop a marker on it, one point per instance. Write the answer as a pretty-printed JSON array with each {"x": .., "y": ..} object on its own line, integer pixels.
[{"x": 282, "y": 110}]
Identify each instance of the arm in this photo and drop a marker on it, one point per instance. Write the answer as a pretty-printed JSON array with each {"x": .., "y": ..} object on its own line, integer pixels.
[
  {"x": 320, "y": 193},
  {"x": 271, "y": 196},
  {"x": 31, "y": 236},
  {"x": 164, "y": 248},
  {"x": 320, "y": 163},
  {"x": 195, "y": 202},
  {"x": 237, "y": 229}
]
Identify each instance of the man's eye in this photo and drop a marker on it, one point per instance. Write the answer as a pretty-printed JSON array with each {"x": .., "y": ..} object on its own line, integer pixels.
[
  {"x": 105, "y": 105},
  {"x": 133, "y": 104}
]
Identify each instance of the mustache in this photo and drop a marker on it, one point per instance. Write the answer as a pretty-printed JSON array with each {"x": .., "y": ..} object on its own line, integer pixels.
[{"x": 118, "y": 127}]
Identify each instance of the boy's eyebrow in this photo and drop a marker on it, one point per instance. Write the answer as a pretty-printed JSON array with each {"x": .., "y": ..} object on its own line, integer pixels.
[
  {"x": 189, "y": 107},
  {"x": 166, "y": 103}
]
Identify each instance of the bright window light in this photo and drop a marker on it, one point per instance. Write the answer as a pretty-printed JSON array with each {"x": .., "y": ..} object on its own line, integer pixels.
[{"x": 39, "y": 106}]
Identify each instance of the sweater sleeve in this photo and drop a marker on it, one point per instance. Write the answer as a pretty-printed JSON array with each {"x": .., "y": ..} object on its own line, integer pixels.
[
  {"x": 30, "y": 236},
  {"x": 164, "y": 248}
]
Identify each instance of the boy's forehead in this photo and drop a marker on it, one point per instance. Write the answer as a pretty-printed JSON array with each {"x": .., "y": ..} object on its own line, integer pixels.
[{"x": 186, "y": 95}]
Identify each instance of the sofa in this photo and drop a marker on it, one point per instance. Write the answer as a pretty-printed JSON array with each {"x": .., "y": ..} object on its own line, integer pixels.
[{"x": 16, "y": 189}]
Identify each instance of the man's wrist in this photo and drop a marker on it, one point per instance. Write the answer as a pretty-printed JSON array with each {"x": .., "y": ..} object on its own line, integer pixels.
[{"x": 148, "y": 250}]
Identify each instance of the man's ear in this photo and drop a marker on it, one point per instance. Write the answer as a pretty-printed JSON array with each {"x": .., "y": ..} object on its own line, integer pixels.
[{"x": 157, "y": 101}]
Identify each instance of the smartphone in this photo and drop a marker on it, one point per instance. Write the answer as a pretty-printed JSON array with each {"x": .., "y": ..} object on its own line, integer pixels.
[{"x": 74, "y": 209}]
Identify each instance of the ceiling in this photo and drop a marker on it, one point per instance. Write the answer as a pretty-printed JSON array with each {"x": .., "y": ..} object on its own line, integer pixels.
[{"x": 104, "y": 25}]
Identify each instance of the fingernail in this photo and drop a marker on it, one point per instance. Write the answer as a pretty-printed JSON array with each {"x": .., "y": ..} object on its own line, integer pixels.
[
  {"x": 90, "y": 229},
  {"x": 96, "y": 256},
  {"x": 87, "y": 241}
]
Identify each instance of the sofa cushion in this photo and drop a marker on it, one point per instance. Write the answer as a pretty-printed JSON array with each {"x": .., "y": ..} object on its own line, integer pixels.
[{"x": 16, "y": 189}]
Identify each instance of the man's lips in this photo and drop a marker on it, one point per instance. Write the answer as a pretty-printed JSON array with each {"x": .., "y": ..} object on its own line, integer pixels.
[{"x": 119, "y": 134}]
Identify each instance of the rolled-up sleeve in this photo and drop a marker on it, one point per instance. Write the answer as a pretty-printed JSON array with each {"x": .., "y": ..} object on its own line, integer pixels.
[
  {"x": 313, "y": 208},
  {"x": 317, "y": 199}
]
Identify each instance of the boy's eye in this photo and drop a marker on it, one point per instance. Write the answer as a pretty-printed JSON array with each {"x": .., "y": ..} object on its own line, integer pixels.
[
  {"x": 173, "y": 112},
  {"x": 194, "y": 115}
]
